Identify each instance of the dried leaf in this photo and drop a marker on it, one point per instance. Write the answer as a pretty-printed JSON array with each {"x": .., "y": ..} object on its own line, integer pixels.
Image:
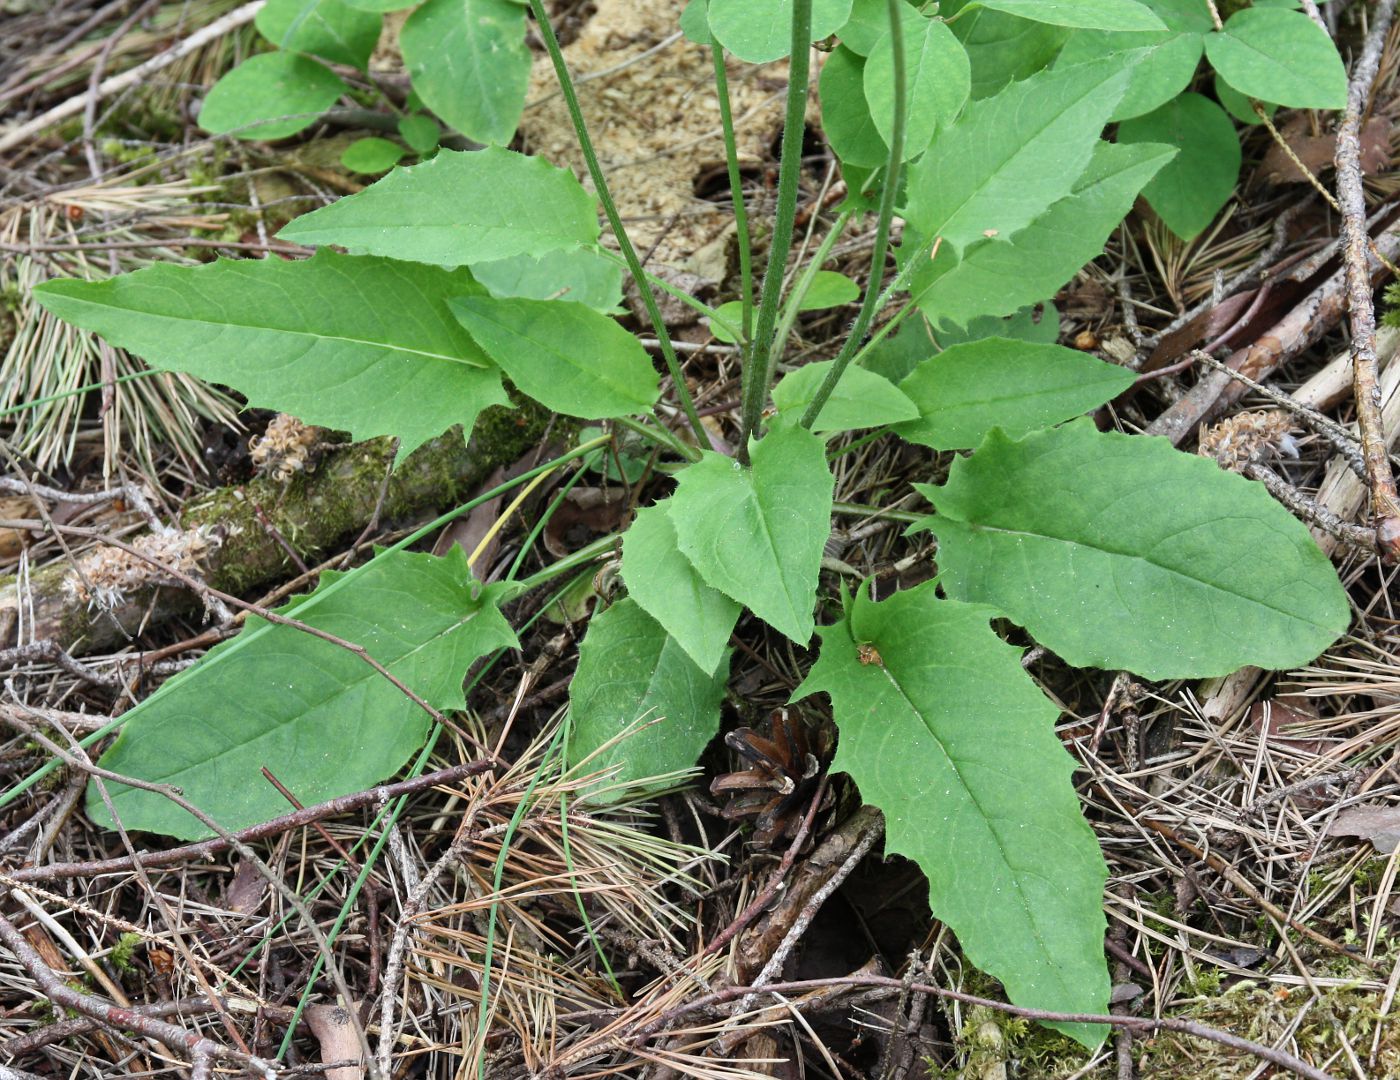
[{"x": 1378, "y": 824}]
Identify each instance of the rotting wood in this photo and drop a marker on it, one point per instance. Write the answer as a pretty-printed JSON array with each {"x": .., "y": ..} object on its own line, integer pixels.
[{"x": 258, "y": 522}]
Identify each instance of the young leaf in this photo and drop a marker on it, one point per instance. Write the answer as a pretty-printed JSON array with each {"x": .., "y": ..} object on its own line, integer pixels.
[
  {"x": 421, "y": 133},
  {"x": 1193, "y": 186},
  {"x": 1279, "y": 56},
  {"x": 757, "y": 533},
  {"x": 945, "y": 733},
  {"x": 1009, "y": 157},
  {"x": 459, "y": 208},
  {"x": 330, "y": 29},
  {"x": 862, "y": 399},
  {"x": 761, "y": 30},
  {"x": 664, "y": 584},
  {"x": 1167, "y": 60},
  {"x": 630, "y": 669},
  {"x": 846, "y": 120},
  {"x": 827, "y": 289},
  {"x": 468, "y": 61},
  {"x": 325, "y": 722},
  {"x": 965, "y": 391},
  {"x": 362, "y": 345},
  {"x": 937, "y": 80},
  {"x": 285, "y": 90},
  {"x": 997, "y": 277},
  {"x": 581, "y": 275},
  {"x": 1089, "y": 14},
  {"x": 1118, "y": 551},
  {"x": 372, "y": 155},
  {"x": 566, "y": 356}
]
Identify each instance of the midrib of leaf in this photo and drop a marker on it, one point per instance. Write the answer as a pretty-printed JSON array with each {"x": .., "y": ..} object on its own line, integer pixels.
[
  {"x": 1150, "y": 562},
  {"x": 773, "y": 547},
  {"x": 1026, "y": 906},
  {"x": 360, "y": 679}
]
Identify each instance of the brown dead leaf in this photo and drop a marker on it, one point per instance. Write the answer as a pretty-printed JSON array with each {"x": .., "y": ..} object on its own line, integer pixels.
[
  {"x": 1378, "y": 824},
  {"x": 245, "y": 890},
  {"x": 586, "y": 513},
  {"x": 1316, "y": 151},
  {"x": 1274, "y": 717}
]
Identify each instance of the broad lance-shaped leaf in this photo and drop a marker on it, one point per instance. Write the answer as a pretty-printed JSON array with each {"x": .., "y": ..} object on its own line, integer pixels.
[
  {"x": 861, "y": 399},
  {"x": 1118, "y": 551},
  {"x": 947, "y": 735},
  {"x": 631, "y": 670},
  {"x": 938, "y": 80},
  {"x": 362, "y": 345},
  {"x": 469, "y": 63},
  {"x": 1002, "y": 275},
  {"x": 664, "y": 584},
  {"x": 756, "y": 534},
  {"x": 1009, "y": 157},
  {"x": 458, "y": 208},
  {"x": 1089, "y": 14},
  {"x": 320, "y": 718},
  {"x": 966, "y": 390},
  {"x": 566, "y": 356}
]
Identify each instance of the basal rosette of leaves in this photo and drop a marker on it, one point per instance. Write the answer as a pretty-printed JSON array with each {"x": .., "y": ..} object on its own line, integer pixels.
[{"x": 473, "y": 269}]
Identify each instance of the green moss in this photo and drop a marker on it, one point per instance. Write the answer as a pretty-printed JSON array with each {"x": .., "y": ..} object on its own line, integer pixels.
[{"x": 124, "y": 950}]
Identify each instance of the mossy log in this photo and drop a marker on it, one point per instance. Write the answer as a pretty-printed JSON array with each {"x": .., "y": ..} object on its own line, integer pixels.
[{"x": 311, "y": 514}]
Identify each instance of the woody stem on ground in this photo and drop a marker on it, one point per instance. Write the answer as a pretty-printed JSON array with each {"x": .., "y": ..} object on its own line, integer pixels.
[
  {"x": 882, "y": 229},
  {"x": 1385, "y": 504},
  {"x": 758, "y": 360},
  {"x": 600, "y": 186}
]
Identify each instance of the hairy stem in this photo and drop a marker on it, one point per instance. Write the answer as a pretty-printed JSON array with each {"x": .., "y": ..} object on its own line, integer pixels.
[{"x": 736, "y": 187}]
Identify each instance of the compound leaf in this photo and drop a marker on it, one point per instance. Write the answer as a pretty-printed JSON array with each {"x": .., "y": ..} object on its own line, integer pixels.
[
  {"x": 363, "y": 345},
  {"x": 330, "y": 29},
  {"x": 458, "y": 208},
  {"x": 321, "y": 719},
  {"x": 566, "y": 356},
  {"x": 1118, "y": 551},
  {"x": 862, "y": 399},
  {"x": 664, "y": 584},
  {"x": 945, "y": 733},
  {"x": 966, "y": 390},
  {"x": 468, "y": 61},
  {"x": 270, "y": 96},
  {"x": 1192, "y": 187},
  {"x": 630, "y": 670},
  {"x": 1280, "y": 56},
  {"x": 756, "y": 533}
]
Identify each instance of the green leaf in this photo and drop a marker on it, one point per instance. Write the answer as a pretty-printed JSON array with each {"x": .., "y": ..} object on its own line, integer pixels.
[
  {"x": 420, "y": 132},
  {"x": 1004, "y": 48},
  {"x": 896, "y": 355},
  {"x": 381, "y": 5},
  {"x": 566, "y": 356},
  {"x": 1279, "y": 56},
  {"x": 1118, "y": 551},
  {"x": 756, "y": 534},
  {"x": 1167, "y": 61},
  {"x": 1193, "y": 186},
  {"x": 695, "y": 22},
  {"x": 323, "y": 720},
  {"x": 1002, "y": 275},
  {"x": 761, "y": 30},
  {"x": 461, "y": 207},
  {"x": 372, "y": 155},
  {"x": 664, "y": 584},
  {"x": 945, "y": 733},
  {"x": 1089, "y": 14},
  {"x": 1238, "y": 106},
  {"x": 938, "y": 80},
  {"x": 1038, "y": 323},
  {"x": 468, "y": 62},
  {"x": 270, "y": 96},
  {"x": 362, "y": 345},
  {"x": 630, "y": 669},
  {"x": 868, "y": 22},
  {"x": 1009, "y": 157},
  {"x": 862, "y": 399},
  {"x": 828, "y": 289},
  {"x": 581, "y": 275},
  {"x": 965, "y": 391},
  {"x": 330, "y": 29}
]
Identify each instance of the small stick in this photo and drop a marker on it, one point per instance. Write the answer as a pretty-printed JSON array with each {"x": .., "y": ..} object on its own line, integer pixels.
[{"x": 1385, "y": 502}]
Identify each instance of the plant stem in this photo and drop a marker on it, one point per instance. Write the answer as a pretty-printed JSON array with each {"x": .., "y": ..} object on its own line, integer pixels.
[
  {"x": 736, "y": 187},
  {"x": 793, "y": 307},
  {"x": 660, "y": 435},
  {"x": 569, "y": 563},
  {"x": 755, "y": 381},
  {"x": 882, "y": 227},
  {"x": 600, "y": 186}
]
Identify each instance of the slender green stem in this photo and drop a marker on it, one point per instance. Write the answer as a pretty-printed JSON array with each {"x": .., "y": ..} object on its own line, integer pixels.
[
  {"x": 755, "y": 381},
  {"x": 882, "y": 227},
  {"x": 793, "y": 306},
  {"x": 568, "y": 564},
  {"x": 670, "y": 290},
  {"x": 34, "y": 403},
  {"x": 736, "y": 186},
  {"x": 660, "y": 435},
  {"x": 600, "y": 186}
]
